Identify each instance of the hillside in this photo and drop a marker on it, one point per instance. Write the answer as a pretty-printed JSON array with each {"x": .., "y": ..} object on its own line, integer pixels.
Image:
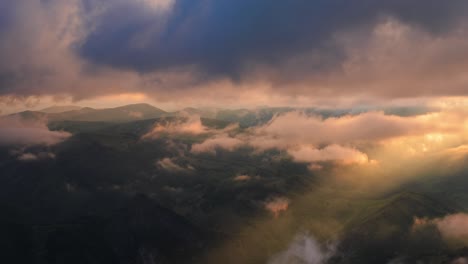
[
  {"x": 118, "y": 114},
  {"x": 60, "y": 109},
  {"x": 383, "y": 231}
]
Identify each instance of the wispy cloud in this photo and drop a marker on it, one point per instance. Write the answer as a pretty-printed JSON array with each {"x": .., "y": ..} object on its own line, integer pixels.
[
  {"x": 22, "y": 132},
  {"x": 170, "y": 165},
  {"x": 242, "y": 178},
  {"x": 221, "y": 141},
  {"x": 187, "y": 124},
  {"x": 28, "y": 156},
  {"x": 304, "y": 249}
]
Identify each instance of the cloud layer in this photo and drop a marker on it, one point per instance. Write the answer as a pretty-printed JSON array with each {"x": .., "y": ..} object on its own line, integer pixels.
[
  {"x": 223, "y": 51},
  {"x": 364, "y": 138}
]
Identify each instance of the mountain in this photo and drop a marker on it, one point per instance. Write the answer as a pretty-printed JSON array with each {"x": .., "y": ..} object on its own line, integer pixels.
[
  {"x": 60, "y": 109},
  {"x": 384, "y": 232},
  {"x": 118, "y": 114}
]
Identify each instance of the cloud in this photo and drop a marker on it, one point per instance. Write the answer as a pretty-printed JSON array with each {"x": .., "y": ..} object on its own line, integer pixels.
[
  {"x": 461, "y": 260},
  {"x": 303, "y": 249},
  {"x": 329, "y": 153},
  {"x": 27, "y": 157},
  {"x": 190, "y": 52},
  {"x": 242, "y": 178},
  {"x": 315, "y": 139},
  {"x": 189, "y": 124},
  {"x": 159, "y": 5},
  {"x": 37, "y": 52},
  {"x": 222, "y": 141},
  {"x": 277, "y": 205},
  {"x": 299, "y": 128},
  {"x": 452, "y": 227},
  {"x": 16, "y": 132},
  {"x": 372, "y": 138},
  {"x": 169, "y": 165},
  {"x": 33, "y": 157},
  {"x": 260, "y": 37}
]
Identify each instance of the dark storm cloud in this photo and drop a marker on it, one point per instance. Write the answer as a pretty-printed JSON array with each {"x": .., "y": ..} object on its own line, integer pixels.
[
  {"x": 224, "y": 37},
  {"x": 217, "y": 50}
]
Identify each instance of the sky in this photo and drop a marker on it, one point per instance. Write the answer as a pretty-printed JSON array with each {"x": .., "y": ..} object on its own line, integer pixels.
[{"x": 243, "y": 53}]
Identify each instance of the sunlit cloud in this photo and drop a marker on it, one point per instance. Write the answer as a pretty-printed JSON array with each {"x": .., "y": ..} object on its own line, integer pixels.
[
  {"x": 277, "y": 205},
  {"x": 67, "y": 50},
  {"x": 23, "y": 132},
  {"x": 188, "y": 124},
  {"x": 453, "y": 228},
  {"x": 222, "y": 141},
  {"x": 304, "y": 249},
  {"x": 330, "y": 153},
  {"x": 242, "y": 178}
]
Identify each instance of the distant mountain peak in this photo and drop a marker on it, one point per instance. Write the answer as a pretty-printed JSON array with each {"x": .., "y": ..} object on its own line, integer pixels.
[{"x": 139, "y": 106}]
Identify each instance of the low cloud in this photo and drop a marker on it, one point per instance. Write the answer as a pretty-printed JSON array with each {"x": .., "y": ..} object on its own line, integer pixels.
[
  {"x": 298, "y": 128},
  {"x": 190, "y": 124},
  {"x": 312, "y": 139},
  {"x": 369, "y": 138},
  {"x": 35, "y": 156},
  {"x": 461, "y": 260},
  {"x": 330, "y": 153},
  {"x": 242, "y": 178},
  {"x": 170, "y": 165},
  {"x": 452, "y": 227},
  {"x": 277, "y": 205},
  {"x": 28, "y": 157},
  {"x": 303, "y": 249},
  {"x": 223, "y": 141},
  {"x": 365, "y": 138},
  {"x": 20, "y": 132}
]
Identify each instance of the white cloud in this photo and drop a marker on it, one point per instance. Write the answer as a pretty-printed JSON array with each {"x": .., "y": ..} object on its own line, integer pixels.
[
  {"x": 190, "y": 124},
  {"x": 303, "y": 249},
  {"x": 329, "y": 153},
  {"x": 223, "y": 141}
]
